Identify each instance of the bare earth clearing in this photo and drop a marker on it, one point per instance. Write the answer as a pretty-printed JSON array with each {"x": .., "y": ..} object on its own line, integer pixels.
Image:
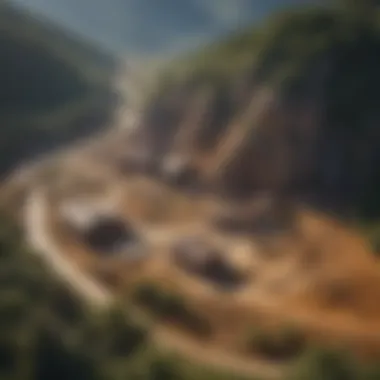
[{"x": 319, "y": 276}]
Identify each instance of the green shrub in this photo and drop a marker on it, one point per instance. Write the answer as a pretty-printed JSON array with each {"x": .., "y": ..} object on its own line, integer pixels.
[
  {"x": 285, "y": 343},
  {"x": 370, "y": 373},
  {"x": 151, "y": 297},
  {"x": 125, "y": 336},
  {"x": 164, "y": 369},
  {"x": 160, "y": 302},
  {"x": 375, "y": 243},
  {"x": 321, "y": 364},
  {"x": 170, "y": 307}
]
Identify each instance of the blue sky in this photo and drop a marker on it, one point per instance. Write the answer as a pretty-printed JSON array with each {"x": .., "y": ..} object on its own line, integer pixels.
[{"x": 155, "y": 26}]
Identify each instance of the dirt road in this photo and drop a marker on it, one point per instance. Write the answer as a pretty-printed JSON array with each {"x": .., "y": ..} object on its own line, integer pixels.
[{"x": 96, "y": 295}]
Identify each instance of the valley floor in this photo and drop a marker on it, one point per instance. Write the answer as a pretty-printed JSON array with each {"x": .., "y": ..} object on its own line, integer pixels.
[{"x": 319, "y": 278}]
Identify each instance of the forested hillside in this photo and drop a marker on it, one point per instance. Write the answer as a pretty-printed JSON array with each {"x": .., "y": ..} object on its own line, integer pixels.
[
  {"x": 54, "y": 87},
  {"x": 289, "y": 106}
]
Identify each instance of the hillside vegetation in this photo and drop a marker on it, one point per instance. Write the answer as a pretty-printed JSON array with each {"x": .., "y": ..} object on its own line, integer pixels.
[
  {"x": 46, "y": 332},
  {"x": 289, "y": 106},
  {"x": 54, "y": 87}
]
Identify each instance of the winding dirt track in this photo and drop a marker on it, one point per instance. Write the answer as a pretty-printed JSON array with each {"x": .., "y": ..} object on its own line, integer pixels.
[{"x": 97, "y": 296}]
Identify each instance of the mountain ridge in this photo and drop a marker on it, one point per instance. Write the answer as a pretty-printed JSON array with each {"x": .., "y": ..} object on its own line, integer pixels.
[
  {"x": 143, "y": 27},
  {"x": 318, "y": 62},
  {"x": 55, "y": 88}
]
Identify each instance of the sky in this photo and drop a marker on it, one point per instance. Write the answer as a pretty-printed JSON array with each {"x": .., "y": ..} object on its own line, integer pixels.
[{"x": 155, "y": 27}]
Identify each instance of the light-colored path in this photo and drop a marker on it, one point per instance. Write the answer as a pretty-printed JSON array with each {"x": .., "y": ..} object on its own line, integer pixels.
[{"x": 39, "y": 239}]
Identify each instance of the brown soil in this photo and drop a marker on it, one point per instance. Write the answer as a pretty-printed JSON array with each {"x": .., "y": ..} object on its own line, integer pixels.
[{"x": 320, "y": 276}]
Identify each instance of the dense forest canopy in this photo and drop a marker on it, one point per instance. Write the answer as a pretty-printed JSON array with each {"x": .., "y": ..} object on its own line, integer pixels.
[{"x": 54, "y": 87}]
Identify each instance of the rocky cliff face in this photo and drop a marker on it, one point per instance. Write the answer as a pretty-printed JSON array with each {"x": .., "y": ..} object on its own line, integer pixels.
[{"x": 312, "y": 132}]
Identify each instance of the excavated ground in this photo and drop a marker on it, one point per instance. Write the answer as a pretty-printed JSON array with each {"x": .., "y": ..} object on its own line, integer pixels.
[{"x": 317, "y": 275}]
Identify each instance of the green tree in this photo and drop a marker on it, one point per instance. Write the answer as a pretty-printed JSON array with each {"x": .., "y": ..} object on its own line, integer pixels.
[{"x": 364, "y": 12}]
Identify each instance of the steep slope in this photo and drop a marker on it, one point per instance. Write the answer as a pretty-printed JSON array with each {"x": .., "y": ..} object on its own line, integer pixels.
[
  {"x": 55, "y": 88},
  {"x": 291, "y": 108}
]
